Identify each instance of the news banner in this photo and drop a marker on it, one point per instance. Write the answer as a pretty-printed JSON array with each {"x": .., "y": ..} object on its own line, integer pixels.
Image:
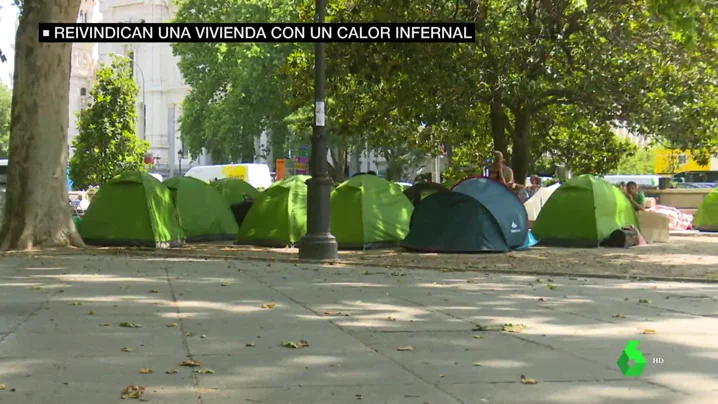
[{"x": 310, "y": 32}]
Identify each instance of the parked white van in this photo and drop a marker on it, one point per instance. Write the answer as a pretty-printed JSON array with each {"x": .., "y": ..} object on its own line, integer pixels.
[{"x": 257, "y": 175}]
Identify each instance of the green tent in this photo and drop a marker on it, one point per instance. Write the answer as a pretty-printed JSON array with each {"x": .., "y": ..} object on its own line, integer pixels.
[
  {"x": 234, "y": 190},
  {"x": 202, "y": 212},
  {"x": 583, "y": 212},
  {"x": 369, "y": 211},
  {"x": 278, "y": 217},
  {"x": 132, "y": 209},
  {"x": 707, "y": 214}
]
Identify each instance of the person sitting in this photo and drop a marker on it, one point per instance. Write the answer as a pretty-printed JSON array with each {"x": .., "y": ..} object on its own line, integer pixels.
[
  {"x": 638, "y": 199},
  {"x": 535, "y": 185},
  {"x": 501, "y": 172},
  {"x": 521, "y": 192}
]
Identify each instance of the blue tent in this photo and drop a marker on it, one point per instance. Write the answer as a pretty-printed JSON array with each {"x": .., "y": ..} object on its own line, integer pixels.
[{"x": 478, "y": 215}]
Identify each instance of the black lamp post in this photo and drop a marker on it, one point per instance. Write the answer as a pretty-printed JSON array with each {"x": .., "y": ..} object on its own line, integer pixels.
[
  {"x": 180, "y": 154},
  {"x": 318, "y": 243}
]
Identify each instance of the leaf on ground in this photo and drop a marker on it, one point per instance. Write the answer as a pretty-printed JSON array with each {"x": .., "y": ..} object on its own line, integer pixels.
[
  {"x": 444, "y": 270},
  {"x": 75, "y": 303},
  {"x": 35, "y": 288},
  {"x": 405, "y": 348},
  {"x": 332, "y": 313},
  {"x": 540, "y": 299},
  {"x": 225, "y": 284},
  {"x": 172, "y": 372},
  {"x": 550, "y": 286},
  {"x": 191, "y": 363},
  {"x": 104, "y": 325},
  {"x": 527, "y": 380},
  {"x": 647, "y": 301},
  {"x": 618, "y": 315},
  {"x": 153, "y": 291},
  {"x": 171, "y": 325},
  {"x": 92, "y": 313},
  {"x": 188, "y": 334},
  {"x": 649, "y": 331},
  {"x": 269, "y": 305},
  {"x": 3, "y": 387},
  {"x": 127, "y": 349},
  {"x": 477, "y": 364},
  {"x": 146, "y": 371},
  {"x": 133, "y": 391},
  {"x": 249, "y": 345},
  {"x": 130, "y": 325},
  {"x": 295, "y": 345},
  {"x": 514, "y": 328},
  {"x": 538, "y": 280},
  {"x": 390, "y": 318},
  {"x": 204, "y": 371},
  {"x": 478, "y": 336}
]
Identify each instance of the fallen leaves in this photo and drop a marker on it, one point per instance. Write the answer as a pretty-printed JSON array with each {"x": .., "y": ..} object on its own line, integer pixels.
[
  {"x": 191, "y": 363},
  {"x": 477, "y": 364},
  {"x": 92, "y": 313},
  {"x": 646, "y": 301},
  {"x": 551, "y": 286},
  {"x": 3, "y": 387},
  {"x": 405, "y": 348},
  {"x": 127, "y": 349},
  {"x": 153, "y": 291},
  {"x": 130, "y": 325},
  {"x": 225, "y": 284},
  {"x": 172, "y": 372},
  {"x": 513, "y": 328},
  {"x": 204, "y": 371},
  {"x": 528, "y": 380},
  {"x": 649, "y": 331},
  {"x": 249, "y": 345},
  {"x": 75, "y": 303},
  {"x": 146, "y": 371},
  {"x": 269, "y": 305},
  {"x": 618, "y": 315},
  {"x": 390, "y": 318},
  {"x": 104, "y": 325},
  {"x": 295, "y": 345},
  {"x": 171, "y": 325},
  {"x": 133, "y": 391},
  {"x": 477, "y": 336},
  {"x": 335, "y": 313}
]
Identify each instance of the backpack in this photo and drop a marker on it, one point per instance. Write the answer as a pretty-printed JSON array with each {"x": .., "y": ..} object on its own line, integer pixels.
[{"x": 623, "y": 238}]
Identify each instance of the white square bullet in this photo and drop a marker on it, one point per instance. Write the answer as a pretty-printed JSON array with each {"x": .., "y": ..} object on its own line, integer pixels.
[{"x": 45, "y": 32}]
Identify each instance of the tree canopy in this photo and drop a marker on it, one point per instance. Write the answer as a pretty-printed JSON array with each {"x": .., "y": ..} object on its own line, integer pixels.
[
  {"x": 5, "y": 106},
  {"x": 107, "y": 144},
  {"x": 546, "y": 82}
]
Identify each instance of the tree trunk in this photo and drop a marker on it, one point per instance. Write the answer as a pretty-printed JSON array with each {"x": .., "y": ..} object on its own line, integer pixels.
[
  {"x": 521, "y": 154},
  {"x": 37, "y": 213},
  {"x": 339, "y": 163},
  {"x": 498, "y": 126},
  {"x": 394, "y": 170}
]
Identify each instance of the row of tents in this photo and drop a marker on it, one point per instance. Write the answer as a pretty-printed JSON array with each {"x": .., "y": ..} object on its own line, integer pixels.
[{"x": 477, "y": 214}]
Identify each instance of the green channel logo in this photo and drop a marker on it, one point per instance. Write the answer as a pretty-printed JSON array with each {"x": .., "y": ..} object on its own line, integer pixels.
[{"x": 631, "y": 352}]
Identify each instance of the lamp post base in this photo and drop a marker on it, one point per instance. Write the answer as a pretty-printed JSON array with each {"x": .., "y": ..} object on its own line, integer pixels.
[{"x": 318, "y": 247}]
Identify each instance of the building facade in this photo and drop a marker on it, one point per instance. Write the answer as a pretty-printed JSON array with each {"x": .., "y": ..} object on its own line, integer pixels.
[
  {"x": 162, "y": 88},
  {"x": 82, "y": 72}
]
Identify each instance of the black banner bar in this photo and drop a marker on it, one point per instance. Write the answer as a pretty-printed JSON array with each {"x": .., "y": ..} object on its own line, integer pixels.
[{"x": 168, "y": 33}]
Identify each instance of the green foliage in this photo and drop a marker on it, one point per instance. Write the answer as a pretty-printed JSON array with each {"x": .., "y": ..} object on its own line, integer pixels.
[
  {"x": 642, "y": 162},
  {"x": 107, "y": 145},
  {"x": 5, "y": 106}
]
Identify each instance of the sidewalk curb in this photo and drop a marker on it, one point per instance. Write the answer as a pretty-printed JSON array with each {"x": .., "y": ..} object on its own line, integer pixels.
[{"x": 186, "y": 254}]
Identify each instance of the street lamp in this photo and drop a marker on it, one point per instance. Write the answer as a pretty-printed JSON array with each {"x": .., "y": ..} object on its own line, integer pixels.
[
  {"x": 144, "y": 104},
  {"x": 319, "y": 243},
  {"x": 180, "y": 154}
]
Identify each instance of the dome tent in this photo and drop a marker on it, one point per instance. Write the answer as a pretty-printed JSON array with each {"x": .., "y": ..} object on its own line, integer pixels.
[
  {"x": 278, "y": 217},
  {"x": 203, "y": 214},
  {"x": 478, "y": 215},
  {"x": 132, "y": 209},
  {"x": 583, "y": 212},
  {"x": 369, "y": 211}
]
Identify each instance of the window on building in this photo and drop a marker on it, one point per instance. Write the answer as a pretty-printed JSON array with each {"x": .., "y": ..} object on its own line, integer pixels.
[{"x": 83, "y": 92}]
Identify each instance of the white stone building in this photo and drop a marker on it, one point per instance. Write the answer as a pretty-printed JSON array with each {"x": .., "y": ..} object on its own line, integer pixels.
[{"x": 82, "y": 71}]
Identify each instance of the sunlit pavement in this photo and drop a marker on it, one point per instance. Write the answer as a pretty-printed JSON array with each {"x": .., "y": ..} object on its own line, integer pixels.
[{"x": 373, "y": 335}]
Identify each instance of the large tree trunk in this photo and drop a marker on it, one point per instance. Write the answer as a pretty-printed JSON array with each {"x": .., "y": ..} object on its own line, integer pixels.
[
  {"x": 498, "y": 126},
  {"x": 37, "y": 212},
  {"x": 521, "y": 153}
]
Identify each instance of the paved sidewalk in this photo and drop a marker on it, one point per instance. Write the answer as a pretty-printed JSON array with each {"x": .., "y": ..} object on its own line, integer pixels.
[{"x": 62, "y": 342}]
